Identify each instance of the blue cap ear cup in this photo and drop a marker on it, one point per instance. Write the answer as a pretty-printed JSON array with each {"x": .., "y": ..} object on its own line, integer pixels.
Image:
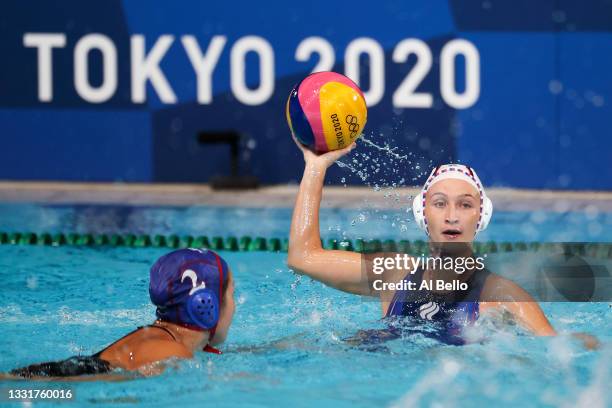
[{"x": 203, "y": 308}]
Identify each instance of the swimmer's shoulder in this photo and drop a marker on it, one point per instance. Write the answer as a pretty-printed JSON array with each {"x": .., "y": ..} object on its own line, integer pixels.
[
  {"x": 154, "y": 350},
  {"x": 149, "y": 351},
  {"x": 498, "y": 290}
]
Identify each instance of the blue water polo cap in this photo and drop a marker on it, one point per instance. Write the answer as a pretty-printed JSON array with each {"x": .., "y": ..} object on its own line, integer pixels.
[{"x": 187, "y": 287}]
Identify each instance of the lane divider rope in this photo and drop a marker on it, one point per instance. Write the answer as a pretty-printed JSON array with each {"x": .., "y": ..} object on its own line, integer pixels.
[{"x": 248, "y": 243}]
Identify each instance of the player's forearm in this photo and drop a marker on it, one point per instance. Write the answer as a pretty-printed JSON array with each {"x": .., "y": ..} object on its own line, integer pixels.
[{"x": 305, "y": 235}]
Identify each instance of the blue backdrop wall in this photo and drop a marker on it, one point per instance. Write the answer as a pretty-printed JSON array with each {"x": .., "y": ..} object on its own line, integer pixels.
[{"x": 118, "y": 90}]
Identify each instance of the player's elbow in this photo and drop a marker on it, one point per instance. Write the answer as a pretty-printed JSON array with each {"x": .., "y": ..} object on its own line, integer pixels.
[
  {"x": 296, "y": 262},
  {"x": 301, "y": 252},
  {"x": 301, "y": 260}
]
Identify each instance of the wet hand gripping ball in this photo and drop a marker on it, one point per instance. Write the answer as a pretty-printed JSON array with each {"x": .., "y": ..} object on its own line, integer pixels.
[{"x": 326, "y": 111}]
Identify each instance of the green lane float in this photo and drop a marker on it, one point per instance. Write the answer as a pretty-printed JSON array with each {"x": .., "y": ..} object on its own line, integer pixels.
[{"x": 274, "y": 244}]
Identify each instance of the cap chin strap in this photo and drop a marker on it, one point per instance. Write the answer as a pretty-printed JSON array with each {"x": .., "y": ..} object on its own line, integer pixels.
[
  {"x": 208, "y": 348},
  {"x": 459, "y": 172}
]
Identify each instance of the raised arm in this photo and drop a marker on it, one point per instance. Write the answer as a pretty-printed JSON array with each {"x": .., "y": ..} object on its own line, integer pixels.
[{"x": 339, "y": 269}]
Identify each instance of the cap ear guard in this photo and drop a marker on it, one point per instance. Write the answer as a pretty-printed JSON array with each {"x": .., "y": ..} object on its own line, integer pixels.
[
  {"x": 485, "y": 214},
  {"x": 418, "y": 211},
  {"x": 203, "y": 308},
  {"x": 204, "y": 304}
]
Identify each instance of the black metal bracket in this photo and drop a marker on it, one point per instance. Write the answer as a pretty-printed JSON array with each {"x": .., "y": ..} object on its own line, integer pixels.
[{"x": 234, "y": 181}]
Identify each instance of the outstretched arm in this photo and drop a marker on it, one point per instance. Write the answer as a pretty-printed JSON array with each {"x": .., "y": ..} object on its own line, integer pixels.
[
  {"x": 526, "y": 311},
  {"x": 507, "y": 295},
  {"x": 339, "y": 269}
]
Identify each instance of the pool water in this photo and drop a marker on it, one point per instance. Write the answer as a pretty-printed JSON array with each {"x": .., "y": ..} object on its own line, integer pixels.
[
  {"x": 286, "y": 344},
  {"x": 366, "y": 223}
]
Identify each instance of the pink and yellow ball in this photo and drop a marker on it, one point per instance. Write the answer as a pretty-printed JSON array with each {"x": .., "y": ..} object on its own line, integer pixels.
[{"x": 326, "y": 111}]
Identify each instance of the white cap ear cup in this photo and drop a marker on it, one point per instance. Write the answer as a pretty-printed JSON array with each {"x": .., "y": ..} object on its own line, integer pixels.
[
  {"x": 485, "y": 216},
  {"x": 418, "y": 211}
]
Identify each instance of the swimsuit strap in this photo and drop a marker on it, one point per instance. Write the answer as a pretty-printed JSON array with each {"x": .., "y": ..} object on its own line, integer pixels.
[
  {"x": 132, "y": 332},
  {"x": 476, "y": 283},
  {"x": 163, "y": 328}
]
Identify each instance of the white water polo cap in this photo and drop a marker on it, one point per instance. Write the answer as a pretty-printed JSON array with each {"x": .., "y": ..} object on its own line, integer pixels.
[{"x": 459, "y": 172}]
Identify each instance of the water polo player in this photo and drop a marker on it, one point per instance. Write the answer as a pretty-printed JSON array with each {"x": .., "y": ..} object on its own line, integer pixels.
[
  {"x": 194, "y": 294},
  {"x": 452, "y": 208}
]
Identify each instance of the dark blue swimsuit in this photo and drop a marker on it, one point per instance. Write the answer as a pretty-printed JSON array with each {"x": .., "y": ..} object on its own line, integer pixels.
[
  {"x": 423, "y": 312},
  {"x": 449, "y": 313}
]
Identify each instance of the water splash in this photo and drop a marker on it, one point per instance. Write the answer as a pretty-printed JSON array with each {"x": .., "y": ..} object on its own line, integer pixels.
[
  {"x": 384, "y": 168},
  {"x": 386, "y": 148}
]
